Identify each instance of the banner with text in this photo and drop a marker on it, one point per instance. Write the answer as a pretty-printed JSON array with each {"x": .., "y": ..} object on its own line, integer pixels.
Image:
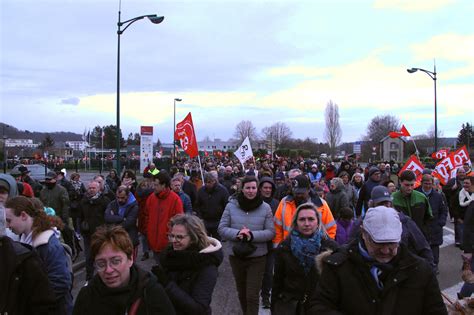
[
  {"x": 446, "y": 168},
  {"x": 414, "y": 165},
  {"x": 146, "y": 146},
  {"x": 186, "y": 136},
  {"x": 244, "y": 152}
]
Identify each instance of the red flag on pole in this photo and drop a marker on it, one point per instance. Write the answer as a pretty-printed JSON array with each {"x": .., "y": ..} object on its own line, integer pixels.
[
  {"x": 441, "y": 154},
  {"x": 414, "y": 165},
  {"x": 397, "y": 134},
  {"x": 186, "y": 136}
]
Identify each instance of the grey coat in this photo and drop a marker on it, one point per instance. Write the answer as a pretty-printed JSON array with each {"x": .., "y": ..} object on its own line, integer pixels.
[{"x": 258, "y": 221}]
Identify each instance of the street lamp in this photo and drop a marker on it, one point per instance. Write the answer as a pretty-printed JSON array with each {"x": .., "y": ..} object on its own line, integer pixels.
[
  {"x": 174, "y": 129},
  {"x": 5, "y": 159},
  {"x": 153, "y": 19},
  {"x": 432, "y": 76}
]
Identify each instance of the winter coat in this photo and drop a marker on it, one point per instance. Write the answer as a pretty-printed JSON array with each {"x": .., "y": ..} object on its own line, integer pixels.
[
  {"x": 259, "y": 221},
  {"x": 92, "y": 211},
  {"x": 141, "y": 196},
  {"x": 98, "y": 299},
  {"x": 187, "y": 205},
  {"x": 190, "y": 190},
  {"x": 337, "y": 199},
  {"x": 346, "y": 286},
  {"x": 210, "y": 204},
  {"x": 439, "y": 209},
  {"x": 344, "y": 229},
  {"x": 468, "y": 232},
  {"x": 11, "y": 182},
  {"x": 58, "y": 199},
  {"x": 365, "y": 195},
  {"x": 412, "y": 237},
  {"x": 160, "y": 208},
  {"x": 289, "y": 279},
  {"x": 24, "y": 284},
  {"x": 129, "y": 218},
  {"x": 351, "y": 194},
  {"x": 192, "y": 277},
  {"x": 272, "y": 202},
  {"x": 417, "y": 207}
]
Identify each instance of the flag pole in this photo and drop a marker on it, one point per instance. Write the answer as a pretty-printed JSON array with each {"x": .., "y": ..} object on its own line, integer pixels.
[
  {"x": 102, "y": 155},
  {"x": 200, "y": 169},
  {"x": 416, "y": 149}
]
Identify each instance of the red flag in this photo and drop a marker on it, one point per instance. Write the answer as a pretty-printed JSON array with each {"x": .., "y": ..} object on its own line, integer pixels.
[
  {"x": 397, "y": 134},
  {"x": 441, "y": 154},
  {"x": 186, "y": 136},
  {"x": 446, "y": 168},
  {"x": 414, "y": 165}
]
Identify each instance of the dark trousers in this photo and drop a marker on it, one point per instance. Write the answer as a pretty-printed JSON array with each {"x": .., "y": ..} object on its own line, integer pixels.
[
  {"x": 211, "y": 228},
  {"x": 435, "y": 250},
  {"x": 267, "y": 282},
  {"x": 458, "y": 231},
  {"x": 248, "y": 275},
  {"x": 87, "y": 253}
]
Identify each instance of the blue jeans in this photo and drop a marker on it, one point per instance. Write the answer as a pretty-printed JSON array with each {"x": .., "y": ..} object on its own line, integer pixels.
[{"x": 468, "y": 288}]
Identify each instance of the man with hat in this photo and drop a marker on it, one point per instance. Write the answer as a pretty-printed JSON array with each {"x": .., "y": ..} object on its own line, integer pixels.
[
  {"x": 300, "y": 193},
  {"x": 55, "y": 196},
  {"x": 24, "y": 189},
  {"x": 376, "y": 274},
  {"x": 25, "y": 178},
  {"x": 366, "y": 190}
]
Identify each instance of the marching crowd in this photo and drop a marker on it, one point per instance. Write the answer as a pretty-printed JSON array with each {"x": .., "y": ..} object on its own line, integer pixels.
[{"x": 303, "y": 237}]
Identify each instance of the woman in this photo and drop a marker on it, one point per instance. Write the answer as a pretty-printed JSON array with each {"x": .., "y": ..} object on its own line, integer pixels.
[
  {"x": 247, "y": 222},
  {"x": 119, "y": 287},
  {"x": 36, "y": 229},
  {"x": 129, "y": 179},
  {"x": 350, "y": 191},
  {"x": 112, "y": 180},
  {"x": 357, "y": 182},
  {"x": 390, "y": 185},
  {"x": 337, "y": 198},
  {"x": 296, "y": 271},
  {"x": 188, "y": 266}
]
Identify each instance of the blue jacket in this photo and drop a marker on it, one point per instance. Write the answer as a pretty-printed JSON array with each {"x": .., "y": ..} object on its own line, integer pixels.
[
  {"x": 127, "y": 217},
  {"x": 439, "y": 209},
  {"x": 187, "y": 204}
]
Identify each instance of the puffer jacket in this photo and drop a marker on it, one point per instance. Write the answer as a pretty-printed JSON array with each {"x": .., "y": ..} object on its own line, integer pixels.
[{"x": 259, "y": 222}]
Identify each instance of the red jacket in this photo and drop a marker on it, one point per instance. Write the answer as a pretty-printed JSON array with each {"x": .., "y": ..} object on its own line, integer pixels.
[{"x": 159, "y": 210}]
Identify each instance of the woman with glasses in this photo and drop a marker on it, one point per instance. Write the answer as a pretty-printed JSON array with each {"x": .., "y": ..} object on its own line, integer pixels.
[
  {"x": 296, "y": 272},
  {"x": 119, "y": 286},
  {"x": 247, "y": 222},
  {"x": 188, "y": 266}
]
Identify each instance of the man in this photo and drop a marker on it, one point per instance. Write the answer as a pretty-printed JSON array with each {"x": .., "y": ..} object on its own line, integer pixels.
[
  {"x": 413, "y": 203},
  {"x": 24, "y": 189},
  {"x": 376, "y": 274},
  {"x": 211, "y": 202},
  {"x": 91, "y": 216},
  {"x": 25, "y": 178},
  {"x": 227, "y": 178},
  {"x": 160, "y": 207},
  {"x": 151, "y": 172},
  {"x": 176, "y": 186},
  {"x": 366, "y": 190},
  {"x": 104, "y": 187},
  {"x": 55, "y": 196},
  {"x": 124, "y": 211},
  {"x": 451, "y": 191},
  {"x": 440, "y": 213},
  {"x": 467, "y": 169},
  {"x": 285, "y": 189},
  {"x": 300, "y": 193},
  {"x": 279, "y": 179},
  {"x": 188, "y": 187}
]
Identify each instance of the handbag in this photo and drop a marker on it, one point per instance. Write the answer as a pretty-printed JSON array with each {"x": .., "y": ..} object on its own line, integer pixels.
[{"x": 243, "y": 248}]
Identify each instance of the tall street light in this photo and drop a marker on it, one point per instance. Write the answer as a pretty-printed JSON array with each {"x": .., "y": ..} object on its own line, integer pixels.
[
  {"x": 155, "y": 20},
  {"x": 174, "y": 129},
  {"x": 432, "y": 76}
]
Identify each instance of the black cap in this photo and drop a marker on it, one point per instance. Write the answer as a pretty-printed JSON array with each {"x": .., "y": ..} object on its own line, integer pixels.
[{"x": 300, "y": 184}]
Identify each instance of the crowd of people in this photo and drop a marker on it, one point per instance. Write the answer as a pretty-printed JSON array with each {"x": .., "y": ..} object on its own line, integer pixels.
[{"x": 303, "y": 237}]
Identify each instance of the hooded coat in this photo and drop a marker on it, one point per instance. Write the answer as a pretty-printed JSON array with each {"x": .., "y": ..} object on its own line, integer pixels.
[
  {"x": 337, "y": 199},
  {"x": 271, "y": 201},
  {"x": 11, "y": 182}
]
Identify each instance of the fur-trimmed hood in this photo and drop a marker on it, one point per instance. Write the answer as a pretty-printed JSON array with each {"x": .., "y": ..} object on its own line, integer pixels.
[
  {"x": 213, "y": 247},
  {"x": 319, "y": 259}
]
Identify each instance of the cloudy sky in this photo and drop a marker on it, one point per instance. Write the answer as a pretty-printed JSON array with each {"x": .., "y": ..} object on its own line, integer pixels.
[{"x": 233, "y": 60}]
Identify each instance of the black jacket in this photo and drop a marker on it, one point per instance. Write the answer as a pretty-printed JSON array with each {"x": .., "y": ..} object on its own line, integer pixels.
[
  {"x": 289, "y": 280},
  {"x": 24, "y": 284},
  {"x": 211, "y": 204},
  {"x": 129, "y": 219},
  {"x": 92, "y": 211},
  {"x": 97, "y": 298},
  {"x": 439, "y": 209},
  {"x": 346, "y": 286},
  {"x": 192, "y": 277},
  {"x": 468, "y": 233}
]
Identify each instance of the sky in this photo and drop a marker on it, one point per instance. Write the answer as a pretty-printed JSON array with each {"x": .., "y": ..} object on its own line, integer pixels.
[{"x": 233, "y": 60}]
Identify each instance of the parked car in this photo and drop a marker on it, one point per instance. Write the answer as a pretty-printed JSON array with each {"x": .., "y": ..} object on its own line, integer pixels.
[{"x": 37, "y": 171}]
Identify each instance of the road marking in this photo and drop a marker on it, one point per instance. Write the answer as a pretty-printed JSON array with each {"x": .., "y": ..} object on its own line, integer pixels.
[
  {"x": 447, "y": 240},
  {"x": 448, "y": 229},
  {"x": 452, "y": 291}
]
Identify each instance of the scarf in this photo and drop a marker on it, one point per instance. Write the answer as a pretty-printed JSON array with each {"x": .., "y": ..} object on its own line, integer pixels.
[
  {"x": 379, "y": 271},
  {"x": 305, "y": 248},
  {"x": 249, "y": 204},
  {"x": 76, "y": 184}
]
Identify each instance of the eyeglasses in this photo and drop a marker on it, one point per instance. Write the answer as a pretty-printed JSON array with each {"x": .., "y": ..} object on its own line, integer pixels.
[
  {"x": 179, "y": 238},
  {"x": 101, "y": 264}
]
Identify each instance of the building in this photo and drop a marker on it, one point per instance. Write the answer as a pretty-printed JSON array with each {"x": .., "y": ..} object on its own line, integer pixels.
[
  {"x": 24, "y": 143},
  {"x": 217, "y": 144},
  {"x": 392, "y": 149},
  {"x": 77, "y": 145}
]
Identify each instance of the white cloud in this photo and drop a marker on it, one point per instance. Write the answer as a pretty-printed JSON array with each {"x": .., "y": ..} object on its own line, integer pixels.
[{"x": 412, "y": 5}]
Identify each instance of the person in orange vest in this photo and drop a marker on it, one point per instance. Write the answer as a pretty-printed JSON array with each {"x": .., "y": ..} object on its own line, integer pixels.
[{"x": 300, "y": 193}]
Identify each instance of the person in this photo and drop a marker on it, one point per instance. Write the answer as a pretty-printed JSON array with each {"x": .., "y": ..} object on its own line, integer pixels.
[
  {"x": 129, "y": 179},
  {"x": 188, "y": 187},
  {"x": 357, "y": 182},
  {"x": 390, "y": 185},
  {"x": 75, "y": 196},
  {"x": 35, "y": 229},
  {"x": 26, "y": 178},
  {"x": 468, "y": 239},
  {"x": 151, "y": 172},
  {"x": 55, "y": 196},
  {"x": 188, "y": 266},
  {"x": 366, "y": 190},
  {"x": 285, "y": 189},
  {"x": 211, "y": 200},
  {"x": 451, "y": 191},
  {"x": 227, "y": 178},
  {"x": 91, "y": 216},
  {"x": 104, "y": 187},
  {"x": 24, "y": 189},
  {"x": 345, "y": 225},
  {"x": 440, "y": 213},
  {"x": 120, "y": 286},
  {"x": 176, "y": 186},
  {"x": 160, "y": 207},
  {"x": 112, "y": 180},
  {"x": 124, "y": 211},
  {"x": 349, "y": 189},
  {"x": 337, "y": 198},
  {"x": 247, "y": 223},
  {"x": 413, "y": 203},
  {"x": 296, "y": 272},
  {"x": 314, "y": 175},
  {"x": 300, "y": 194},
  {"x": 376, "y": 274}
]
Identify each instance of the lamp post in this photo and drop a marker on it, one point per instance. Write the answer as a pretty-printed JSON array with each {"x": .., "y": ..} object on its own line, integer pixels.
[
  {"x": 5, "y": 159},
  {"x": 432, "y": 76},
  {"x": 155, "y": 20},
  {"x": 174, "y": 129}
]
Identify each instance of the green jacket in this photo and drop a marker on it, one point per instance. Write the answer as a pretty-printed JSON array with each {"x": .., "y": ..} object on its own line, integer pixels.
[
  {"x": 58, "y": 199},
  {"x": 416, "y": 206}
]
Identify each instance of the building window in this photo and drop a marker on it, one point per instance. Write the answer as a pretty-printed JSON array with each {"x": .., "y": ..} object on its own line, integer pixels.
[{"x": 393, "y": 146}]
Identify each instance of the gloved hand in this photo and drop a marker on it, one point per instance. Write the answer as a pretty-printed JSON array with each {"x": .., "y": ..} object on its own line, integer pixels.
[{"x": 161, "y": 274}]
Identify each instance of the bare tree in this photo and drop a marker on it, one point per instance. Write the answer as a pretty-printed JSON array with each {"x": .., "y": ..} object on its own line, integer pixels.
[
  {"x": 276, "y": 134},
  {"x": 245, "y": 129},
  {"x": 333, "y": 132},
  {"x": 380, "y": 126}
]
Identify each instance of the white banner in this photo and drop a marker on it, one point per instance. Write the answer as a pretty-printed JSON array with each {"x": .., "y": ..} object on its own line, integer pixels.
[
  {"x": 146, "y": 146},
  {"x": 244, "y": 152}
]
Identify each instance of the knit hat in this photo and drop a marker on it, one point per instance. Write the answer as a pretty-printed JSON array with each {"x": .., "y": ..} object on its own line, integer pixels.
[
  {"x": 380, "y": 194},
  {"x": 373, "y": 170},
  {"x": 383, "y": 225},
  {"x": 4, "y": 185}
]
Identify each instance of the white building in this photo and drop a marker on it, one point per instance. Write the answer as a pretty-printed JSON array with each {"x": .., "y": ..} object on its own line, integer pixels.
[
  {"x": 77, "y": 145},
  {"x": 24, "y": 143},
  {"x": 217, "y": 144}
]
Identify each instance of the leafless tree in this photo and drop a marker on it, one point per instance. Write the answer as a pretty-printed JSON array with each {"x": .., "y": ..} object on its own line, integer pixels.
[
  {"x": 333, "y": 132},
  {"x": 276, "y": 134},
  {"x": 245, "y": 129},
  {"x": 380, "y": 126}
]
